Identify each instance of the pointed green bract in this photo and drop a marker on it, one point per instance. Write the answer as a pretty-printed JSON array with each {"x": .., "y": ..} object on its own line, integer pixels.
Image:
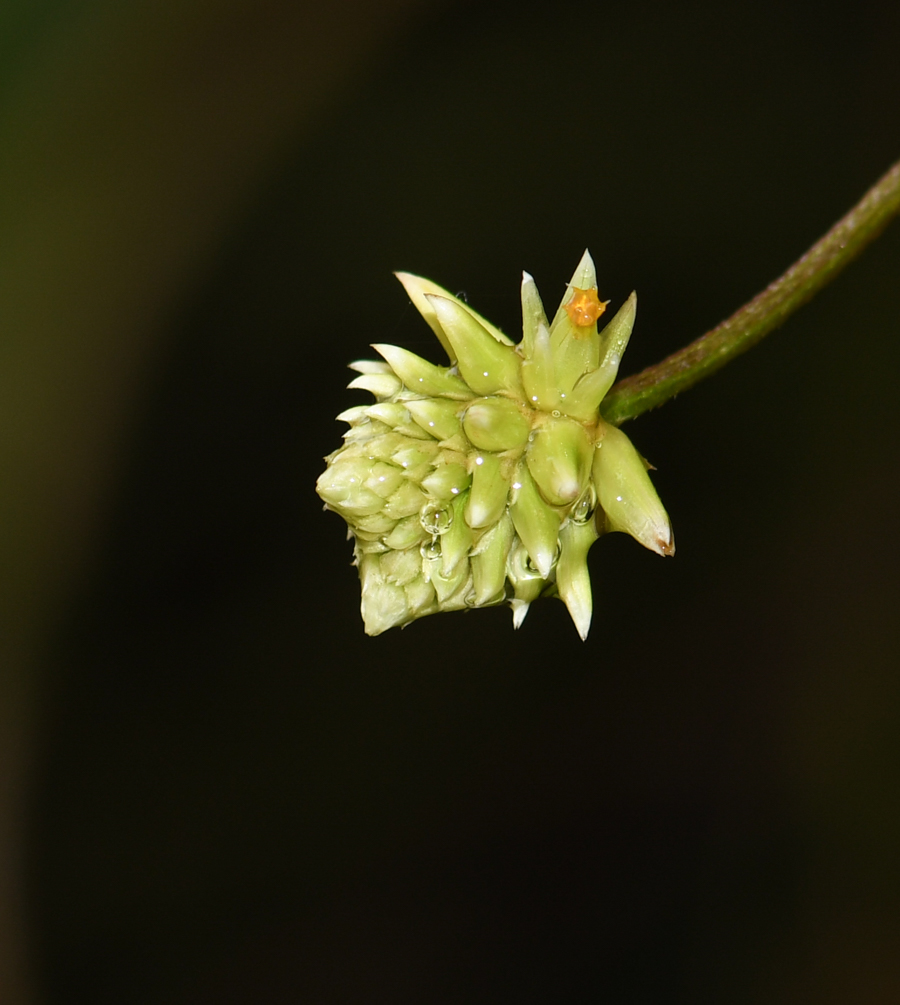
[
  {"x": 626, "y": 493},
  {"x": 489, "y": 480},
  {"x": 421, "y": 376},
  {"x": 382, "y": 385},
  {"x": 490, "y": 490},
  {"x": 533, "y": 316},
  {"x": 536, "y": 523},
  {"x": 420, "y": 289},
  {"x": 485, "y": 364},
  {"x": 489, "y": 561},
  {"x": 539, "y": 373},
  {"x": 572, "y": 576}
]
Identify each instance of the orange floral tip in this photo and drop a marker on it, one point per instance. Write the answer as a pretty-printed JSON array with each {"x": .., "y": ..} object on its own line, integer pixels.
[{"x": 585, "y": 307}]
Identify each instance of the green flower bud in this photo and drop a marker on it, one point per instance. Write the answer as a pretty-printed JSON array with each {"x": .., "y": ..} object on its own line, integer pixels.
[
  {"x": 467, "y": 485},
  {"x": 559, "y": 459},
  {"x": 496, "y": 424}
]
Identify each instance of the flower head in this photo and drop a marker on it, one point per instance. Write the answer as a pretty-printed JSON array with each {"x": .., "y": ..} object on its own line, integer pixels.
[{"x": 488, "y": 480}]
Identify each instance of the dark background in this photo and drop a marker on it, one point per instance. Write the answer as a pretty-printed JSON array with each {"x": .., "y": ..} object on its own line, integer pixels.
[{"x": 230, "y": 794}]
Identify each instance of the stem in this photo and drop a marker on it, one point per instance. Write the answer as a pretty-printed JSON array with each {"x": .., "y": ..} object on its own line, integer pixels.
[{"x": 765, "y": 312}]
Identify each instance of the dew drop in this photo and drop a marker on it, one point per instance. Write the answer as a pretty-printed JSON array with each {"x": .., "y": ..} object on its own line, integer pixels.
[
  {"x": 431, "y": 550},
  {"x": 555, "y": 413},
  {"x": 436, "y": 519},
  {"x": 583, "y": 510}
]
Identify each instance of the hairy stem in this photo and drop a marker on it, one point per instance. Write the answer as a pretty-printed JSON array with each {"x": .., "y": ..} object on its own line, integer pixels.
[{"x": 765, "y": 312}]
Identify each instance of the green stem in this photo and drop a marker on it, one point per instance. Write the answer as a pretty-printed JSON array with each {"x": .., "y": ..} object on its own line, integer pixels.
[{"x": 765, "y": 312}]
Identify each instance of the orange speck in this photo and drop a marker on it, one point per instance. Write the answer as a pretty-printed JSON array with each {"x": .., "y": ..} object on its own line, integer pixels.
[{"x": 585, "y": 307}]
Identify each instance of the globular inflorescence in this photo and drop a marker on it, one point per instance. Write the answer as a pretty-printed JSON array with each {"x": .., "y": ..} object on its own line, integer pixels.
[{"x": 488, "y": 480}]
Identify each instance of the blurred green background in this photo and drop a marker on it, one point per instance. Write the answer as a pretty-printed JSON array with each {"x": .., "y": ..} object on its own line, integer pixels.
[{"x": 215, "y": 788}]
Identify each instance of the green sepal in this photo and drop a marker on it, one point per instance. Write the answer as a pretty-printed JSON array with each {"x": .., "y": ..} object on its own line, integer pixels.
[
  {"x": 383, "y": 604},
  {"x": 614, "y": 337},
  {"x": 365, "y": 430},
  {"x": 418, "y": 289},
  {"x": 420, "y": 597},
  {"x": 406, "y": 533},
  {"x": 489, "y": 561},
  {"x": 533, "y": 316},
  {"x": 559, "y": 459},
  {"x": 408, "y": 499},
  {"x": 382, "y": 385},
  {"x": 535, "y": 522},
  {"x": 449, "y": 587},
  {"x": 457, "y": 541},
  {"x": 384, "y": 479},
  {"x": 490, "y": 490},
  {"x": 354, "y": 415},
  {"x": 396, "y": 416},
  {"x": 447, "y": 481},
  {"x": 527, "y": 583},
  {"x": 401, "y": 567},
  {"x": 486, "y": 365},
  {"x": 538, "y": 373},
  {"x": 495, "y": 424},
  {"x": 437, "y": 416},
  {"x": 421, "y": 376},
  {"x": 572, "y": 576},
  {"x": 415, "y": 458},
  {"x": 374, "y": 525},
  {"x": 369, "y": 366},
  {"x": 626, "y": 493}
]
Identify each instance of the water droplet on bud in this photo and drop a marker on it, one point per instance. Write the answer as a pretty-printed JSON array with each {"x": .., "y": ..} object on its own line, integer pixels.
[
  {"x": 436, "y": 519},
  {"x": 583, "y": 510},
  {"x": 431, "y": 550}
]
